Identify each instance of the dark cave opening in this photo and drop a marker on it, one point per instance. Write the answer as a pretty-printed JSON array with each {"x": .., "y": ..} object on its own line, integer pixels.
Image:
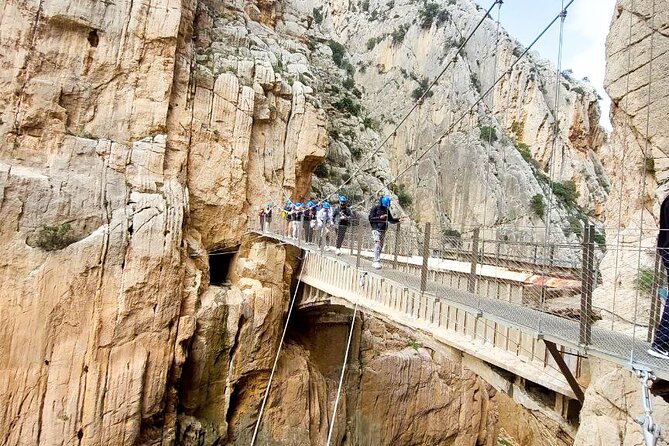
[{"x": 219, "y": 267}]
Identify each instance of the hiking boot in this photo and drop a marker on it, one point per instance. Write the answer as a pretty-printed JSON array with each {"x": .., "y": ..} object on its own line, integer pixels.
[
  {"x": 658, "y": 352},
  {"x": 338, "y": 252},
  {"x": 376, "y": 265}
]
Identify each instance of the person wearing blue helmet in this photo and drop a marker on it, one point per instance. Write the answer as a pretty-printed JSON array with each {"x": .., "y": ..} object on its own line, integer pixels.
[
  {"x": 308, "y": 220},
  {"x": 343, "y": 218},
  {"x": 286, "y": 213},
  {"x": 296, "y": 220},
  {"x": 379, "y": 219},
  {"x": 324, "y": 220}
]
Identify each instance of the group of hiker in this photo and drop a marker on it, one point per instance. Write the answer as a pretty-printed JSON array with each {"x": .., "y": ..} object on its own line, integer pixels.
[
  {"x": 313, "y": 220},
  {"x": 316, "y": 218}
]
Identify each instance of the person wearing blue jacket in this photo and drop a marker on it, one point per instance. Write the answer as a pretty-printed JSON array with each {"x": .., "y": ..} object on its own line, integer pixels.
[{"x": 379, "y": 219}]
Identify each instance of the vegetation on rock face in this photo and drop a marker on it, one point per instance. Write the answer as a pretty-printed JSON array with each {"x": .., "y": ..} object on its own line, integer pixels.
[
  {"x": 318, "y": 15},
  {"x": 428, "y": 13},
  {"x": 403, "y": 196},
  {"x": 53, "y": 238},
  {"x": 348, "y": 105},
  {"x": 645, "y": 280},
  {"x": 566, "y": 192},
  {"x": 421, "y": 89},
  {"x": 399, "y": 34},
  {"x": 526, "y": 153},
  {"x": 414, "y": 344},
  {"x": 538, "y": 206},
  {"x": 338, "y": 52},
  {"x": 475, "y": 82},
  {"x": 451, "y": 233},
  {"x": 488, "y": 134},
  {"x": 518, "y": 129},
  {"x": 370, "y": 123}
]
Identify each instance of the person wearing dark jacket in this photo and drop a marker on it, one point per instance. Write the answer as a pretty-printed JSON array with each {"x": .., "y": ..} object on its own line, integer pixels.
[
  {"x": 660, "y": 346},
  {"x": 343, "y": 218},
  {"x": 379, "y": 218},
  {"x": 309, "y": 216}
]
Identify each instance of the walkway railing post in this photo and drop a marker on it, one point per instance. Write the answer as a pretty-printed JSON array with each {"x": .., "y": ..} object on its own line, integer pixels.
[
  {"x": 397, "y": 244},
  {"x": 471, "y": 285},
  {"x": 357, "y": 258},
  {"x": 587, "y": 275},
  {"x": 426, "y": 256}
]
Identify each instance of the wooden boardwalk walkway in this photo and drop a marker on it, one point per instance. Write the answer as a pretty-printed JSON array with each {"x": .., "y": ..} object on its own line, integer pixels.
[{"x": 509, "y": 327}]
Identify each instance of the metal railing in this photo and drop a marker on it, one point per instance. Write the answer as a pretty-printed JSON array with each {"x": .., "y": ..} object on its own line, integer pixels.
[{"x": 605, "y": 289}]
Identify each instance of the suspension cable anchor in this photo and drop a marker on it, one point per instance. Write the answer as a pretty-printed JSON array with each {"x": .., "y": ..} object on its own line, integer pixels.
[{"x": 650, "y": 430}]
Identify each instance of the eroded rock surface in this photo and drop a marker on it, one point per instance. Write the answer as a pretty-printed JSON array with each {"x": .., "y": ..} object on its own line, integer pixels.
[{"x": 137, "y": 137}]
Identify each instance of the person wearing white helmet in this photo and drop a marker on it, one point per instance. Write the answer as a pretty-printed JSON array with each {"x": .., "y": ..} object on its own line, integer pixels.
[{"x": 379, "y": 218}]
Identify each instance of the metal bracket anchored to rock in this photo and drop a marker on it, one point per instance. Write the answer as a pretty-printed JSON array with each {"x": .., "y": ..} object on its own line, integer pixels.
[{"x": 651, "y": 431}]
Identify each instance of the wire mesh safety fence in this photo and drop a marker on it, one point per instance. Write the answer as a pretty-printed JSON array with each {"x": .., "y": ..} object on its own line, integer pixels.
[{"x": 591, "y": 295}]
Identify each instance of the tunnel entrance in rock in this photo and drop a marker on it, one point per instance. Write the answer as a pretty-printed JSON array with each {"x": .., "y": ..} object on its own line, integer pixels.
[
  {"x": 323, "y": 331},
  {"x": 219, "y": 266}
]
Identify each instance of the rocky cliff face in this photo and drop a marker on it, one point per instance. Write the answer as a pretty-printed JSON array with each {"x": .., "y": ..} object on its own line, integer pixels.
[
  {"x": 636, "y": 158},
  {"x": 138, "y": 137},
  {"x": 124, "y": 161},
  {"x": 497, "y": 154},
  {"x": 637, "y": 60}
]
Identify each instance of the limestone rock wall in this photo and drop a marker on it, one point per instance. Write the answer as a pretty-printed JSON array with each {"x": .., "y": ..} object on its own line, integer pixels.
[
  {"x": 136, "y": 137},
  {"x": 636, "y": 155},
  {"x": 397, "y": 391},
  {"x": 231, "y": 352},
  {"x": 612, "y": 404},
  {"x": 123, "y": 161},
  {"x": 396, "y": 52}
]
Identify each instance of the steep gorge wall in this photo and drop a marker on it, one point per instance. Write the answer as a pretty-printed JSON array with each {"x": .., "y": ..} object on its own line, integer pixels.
[
  {"x": 121, "y": 166},
  {"x": 636, "y": 158},
  {"x": 397, "y": 51},
  {"x": 136, "y": 137},
  {"x": 636, "y": 155}
]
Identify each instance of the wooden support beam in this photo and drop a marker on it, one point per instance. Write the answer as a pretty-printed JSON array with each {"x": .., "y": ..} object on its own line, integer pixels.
[{"x": 564, "y": 368}]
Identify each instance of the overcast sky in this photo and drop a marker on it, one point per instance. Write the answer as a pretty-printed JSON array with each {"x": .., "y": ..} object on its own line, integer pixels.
[{"x": 586, "y": 28}]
